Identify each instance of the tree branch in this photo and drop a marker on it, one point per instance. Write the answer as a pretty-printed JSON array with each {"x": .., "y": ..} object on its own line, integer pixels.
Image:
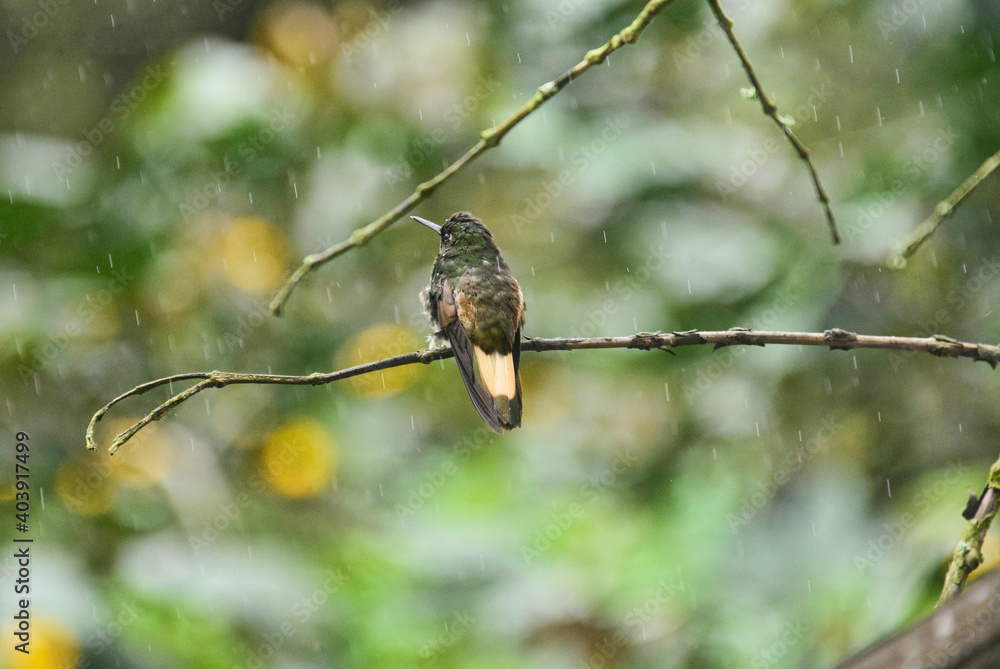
[
  {"x": 835, "y": 339},
  {"x": 489, "y": 138},
  {"x": 963, "y": 634},
  {"x": 771, "y": 111},
  {"x": 968, "y": 553},
  {"x": 944, "y": 209}
]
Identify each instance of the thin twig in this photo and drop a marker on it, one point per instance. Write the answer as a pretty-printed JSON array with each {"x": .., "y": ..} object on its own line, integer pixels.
[
  {"x": 489, "y": 138},
  {"x": 771, "y": 110},
  {"x": 944, "y": 209},
  {"x": 835, "y": 339},
  {"x": 968, "y": 553}
]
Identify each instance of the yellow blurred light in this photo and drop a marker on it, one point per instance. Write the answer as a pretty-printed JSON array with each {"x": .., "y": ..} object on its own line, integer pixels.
[
  {"x": 375, "y": 343},
  {"x": 51, "y": 646},
  {"x": 254, "y": 254},
  {"x": 301, "y": 34},
  {"x": 298, "y": 459},
  {"x": 84, "y": 483},
  {"x": 546, "y": 384},
  {"x": 96, "y": 318},
  {"x": 143, "y": 460},
  {"x": 172, "y": 299}
]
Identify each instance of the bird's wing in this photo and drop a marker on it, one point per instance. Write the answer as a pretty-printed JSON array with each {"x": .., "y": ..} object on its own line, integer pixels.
[{"x": 447, "y": 311}]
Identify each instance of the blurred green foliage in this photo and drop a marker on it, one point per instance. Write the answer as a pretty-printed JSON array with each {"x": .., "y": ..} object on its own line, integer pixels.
[{"x": 163, "y": 167}]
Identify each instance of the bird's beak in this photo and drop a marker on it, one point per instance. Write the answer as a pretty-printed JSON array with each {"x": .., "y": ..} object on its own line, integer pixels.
[{"x": 433, "y": 226}]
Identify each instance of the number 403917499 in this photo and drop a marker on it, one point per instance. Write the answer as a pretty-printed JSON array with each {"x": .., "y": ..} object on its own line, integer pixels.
[{"x": 21, "y": 474}]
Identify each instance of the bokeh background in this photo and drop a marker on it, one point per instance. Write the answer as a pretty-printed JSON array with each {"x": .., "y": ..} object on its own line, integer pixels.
[{"x": 165, "y": 165}]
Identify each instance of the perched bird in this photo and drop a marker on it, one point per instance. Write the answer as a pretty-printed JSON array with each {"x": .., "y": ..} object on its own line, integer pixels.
[{"x": 475, "y": 303}]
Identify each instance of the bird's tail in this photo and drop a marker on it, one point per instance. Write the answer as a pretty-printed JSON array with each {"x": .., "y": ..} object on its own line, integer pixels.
[{"x": 501, "y": 378}]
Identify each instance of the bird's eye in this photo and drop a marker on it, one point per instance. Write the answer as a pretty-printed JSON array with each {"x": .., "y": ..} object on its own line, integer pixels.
[{"x": 446, "y": 237}]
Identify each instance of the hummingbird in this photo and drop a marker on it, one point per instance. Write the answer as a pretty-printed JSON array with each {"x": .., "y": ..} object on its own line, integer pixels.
[{"x": 473, "y": 301}]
